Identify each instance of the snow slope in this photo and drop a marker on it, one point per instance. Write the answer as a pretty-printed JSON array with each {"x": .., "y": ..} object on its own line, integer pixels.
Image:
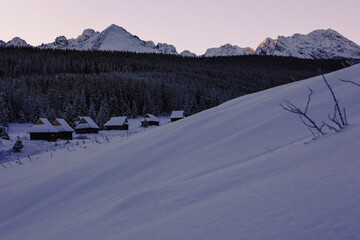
[
  {"x": 243, "y": 170},
  {"x": 319, "y": 44}
]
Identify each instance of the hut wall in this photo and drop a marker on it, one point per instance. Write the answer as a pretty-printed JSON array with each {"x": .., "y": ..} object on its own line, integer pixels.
[
  {"x": 123, "y": 127},
  {"x": 175, "y": 119},
  {"x": 86, "y": 130},
  {"x": 149, "y": 123},
  {"x": 66, "y": 135},
  {"x": 51, "y": 137}
]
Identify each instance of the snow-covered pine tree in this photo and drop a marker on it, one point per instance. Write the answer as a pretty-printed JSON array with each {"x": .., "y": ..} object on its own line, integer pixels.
[{"x": 18, "y": 145}]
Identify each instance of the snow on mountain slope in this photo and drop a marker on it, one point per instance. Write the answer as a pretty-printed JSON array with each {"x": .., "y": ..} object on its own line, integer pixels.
[
  {"x": 166, "y": 48},
  {"x": 243, "y": 170},
  {"x": 228, "y": 50},
  {"x": 113, "y": 38},
  {"x": 187, "y": 53},
  {"x": 318, "y": 44},
  {"x": 17, "y": 42}
]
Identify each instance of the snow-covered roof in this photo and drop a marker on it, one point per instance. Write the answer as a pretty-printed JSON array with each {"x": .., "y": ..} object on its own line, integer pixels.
[
  {"x": 151, "y": 118},
  {"x": 61, "y": 125},
  {"x": 86, "y": 121},
  {"x": 43, "y": 125},
  {"x": 116, "y": 121},
  {"x": 177, "y": 114},
  {"x": 82, "y": 126}
]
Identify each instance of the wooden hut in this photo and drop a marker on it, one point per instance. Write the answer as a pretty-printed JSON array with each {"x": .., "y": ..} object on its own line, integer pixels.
[
  {"x": 65, "y": 131},
  {"x": 150, "y": 120},
  {"x": 86, "y": 125},
  {"x": 117, "y": 123},
  {"x": 43, "y": 130},
  {"x": 176, "y": 115}
]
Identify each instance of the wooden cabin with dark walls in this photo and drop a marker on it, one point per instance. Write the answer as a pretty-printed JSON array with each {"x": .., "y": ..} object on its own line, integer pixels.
[
  {"x": 117, "y": 123},
  {"x": 43, "y": 130},
  {"x": 86, "y": 125},
  {"x": 65, "y": 131}
]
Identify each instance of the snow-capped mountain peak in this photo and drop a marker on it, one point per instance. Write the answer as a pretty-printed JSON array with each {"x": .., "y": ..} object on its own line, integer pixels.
[
  {"x": 17, "y": 42},
  {"x": 228, "y": 50},
  {"x": 166, "y": 48},
  {"x": 317, "y": 44},
  {"x": 87, "y": 33},
  {"x": 113, "y": 38},
  {"x": 187, "y": 53}
]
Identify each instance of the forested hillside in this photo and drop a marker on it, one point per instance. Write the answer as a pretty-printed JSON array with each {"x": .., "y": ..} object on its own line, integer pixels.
[{"x": 58, "y": 83}]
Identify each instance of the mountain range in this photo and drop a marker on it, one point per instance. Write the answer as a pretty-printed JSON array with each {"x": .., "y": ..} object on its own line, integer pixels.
[{"x": 318, "y": 44}]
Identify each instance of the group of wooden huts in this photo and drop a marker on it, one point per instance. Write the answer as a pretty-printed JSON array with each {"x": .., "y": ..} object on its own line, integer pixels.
[{"x": 60, "y": 129}]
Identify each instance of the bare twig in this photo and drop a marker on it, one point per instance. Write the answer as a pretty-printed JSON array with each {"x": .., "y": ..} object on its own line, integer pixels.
[
  {"x": 352, "y": 82},
  {"x": 337, "y": 108},
  {"x": 305, "y": 119}
]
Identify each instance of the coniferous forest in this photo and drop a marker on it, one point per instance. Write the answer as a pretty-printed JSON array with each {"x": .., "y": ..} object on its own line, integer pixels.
[{"x": 57, "y": 83}]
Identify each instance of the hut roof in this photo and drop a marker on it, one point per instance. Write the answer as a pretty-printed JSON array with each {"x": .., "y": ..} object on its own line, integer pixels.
[
  {"x": 86, "y": 122},
  {"x": 116, "y": 121},
  {"x": 151, "y": 118},
  {"x": 177, "y": 114},
  {"x": 43, "y": 125},
  {"x": 62, "y": 126}
]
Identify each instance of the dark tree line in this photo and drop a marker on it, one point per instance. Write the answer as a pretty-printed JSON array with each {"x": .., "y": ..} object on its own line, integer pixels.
[{"x": 58, "y": 83}]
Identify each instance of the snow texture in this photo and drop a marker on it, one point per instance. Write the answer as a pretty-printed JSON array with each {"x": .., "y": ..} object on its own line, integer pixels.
[{"x": 246, "y": 169}]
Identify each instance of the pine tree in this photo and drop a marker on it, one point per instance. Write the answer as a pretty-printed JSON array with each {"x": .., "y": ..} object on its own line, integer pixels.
[
  {"x": 18, "y": 145},
  {"x": 104, "y": 113},
  {"x": 134, "y": 111}
]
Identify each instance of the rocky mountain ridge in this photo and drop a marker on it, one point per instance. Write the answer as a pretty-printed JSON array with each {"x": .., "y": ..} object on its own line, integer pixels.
[{"x": 318, "y": 44}]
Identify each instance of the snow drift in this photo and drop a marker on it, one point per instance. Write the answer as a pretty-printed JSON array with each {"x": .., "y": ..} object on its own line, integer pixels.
[{"x": 243, "y": 170}]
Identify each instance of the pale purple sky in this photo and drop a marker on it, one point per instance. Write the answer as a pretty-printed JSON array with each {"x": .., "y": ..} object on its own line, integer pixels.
[{"x": 194, "y": 25}]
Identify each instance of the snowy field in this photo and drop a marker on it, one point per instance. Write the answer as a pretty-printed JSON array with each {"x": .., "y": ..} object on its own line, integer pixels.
[
  {"x": 246, "y": 169},
  {"x": 32, "y": 149}
]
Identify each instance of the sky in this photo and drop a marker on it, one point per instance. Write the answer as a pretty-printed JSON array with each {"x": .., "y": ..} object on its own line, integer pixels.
[{"x": 194, "y": 25}]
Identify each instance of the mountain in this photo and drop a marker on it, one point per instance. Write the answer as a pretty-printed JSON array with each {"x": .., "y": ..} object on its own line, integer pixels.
[
  {"x": 2, "y": 43},
  {"x": 319, "y": 44},
  {"x": 228, "y": 50},
  {"x": 113, "y": 38},
  {"x": 187, "y": 53},
  {"x": 257, "y": 174},
  {"x": 17, "y": 42}
]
